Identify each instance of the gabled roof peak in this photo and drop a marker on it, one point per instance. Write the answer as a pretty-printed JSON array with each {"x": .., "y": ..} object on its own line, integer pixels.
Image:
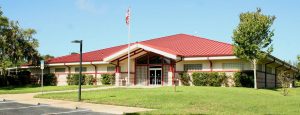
[{"x": 182, "y": 45}]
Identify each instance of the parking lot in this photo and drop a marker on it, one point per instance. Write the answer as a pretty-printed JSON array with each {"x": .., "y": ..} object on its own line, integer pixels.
[{"x": 8, "y": 107}]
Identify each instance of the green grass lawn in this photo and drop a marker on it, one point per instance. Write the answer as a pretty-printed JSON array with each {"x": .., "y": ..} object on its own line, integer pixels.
[
  {"x": 192, "y": 100},
  {"x": 33, "y": 89}
]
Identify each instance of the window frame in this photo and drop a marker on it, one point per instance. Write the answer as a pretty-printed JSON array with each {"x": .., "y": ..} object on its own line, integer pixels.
[
  {"x": 55, "y": 70},
  {"x": 269, "y": 70},
  {"x": 232, "y": 66},
  {"x": 84, "y": 69},
  {"x": 112, "y": 70},
  {"x": 192, "y": 67}
]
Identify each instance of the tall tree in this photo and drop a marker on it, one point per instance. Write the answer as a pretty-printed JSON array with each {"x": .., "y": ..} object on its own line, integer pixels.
[
  {"x": 253, "y": 37},
  {"x": 17, "y": 45},
  {"x": 46, "y": 57}
]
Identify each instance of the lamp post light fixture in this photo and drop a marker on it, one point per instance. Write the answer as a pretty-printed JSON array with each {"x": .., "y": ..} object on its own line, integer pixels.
[{"x": 80, "y": 69}]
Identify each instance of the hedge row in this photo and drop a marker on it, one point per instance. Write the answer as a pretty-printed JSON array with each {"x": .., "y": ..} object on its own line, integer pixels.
[
  {"x": 217, "y": 79},
  {"x": 86, "y": 79},
  {"x": 106, "y": 79},
  {"x": 209, "y": 79},
  {"x": 24, "y": 78}
]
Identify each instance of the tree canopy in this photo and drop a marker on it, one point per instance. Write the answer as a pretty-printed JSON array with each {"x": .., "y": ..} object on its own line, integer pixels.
[
  {"x": 253, "y": 37},
  {"x": 46, "y": 57},
  {"x": 17, "y": 45}
]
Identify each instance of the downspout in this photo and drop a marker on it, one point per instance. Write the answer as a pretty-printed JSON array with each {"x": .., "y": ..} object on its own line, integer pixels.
[
  {"x": 179, "y": 60},
  {"x": 266, "y": 71},
  {"x": 69, "y": 69},
  {"x": 210, "y": 64},
  {"x": 95, "y": 72}
]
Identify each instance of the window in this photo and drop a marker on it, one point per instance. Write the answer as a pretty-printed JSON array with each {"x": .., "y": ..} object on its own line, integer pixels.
[
  {"x": 111, "y": 68},
  {"x": 60, "y": 69},
  {"x": 192, "y": 67},
  {"x": 269, "y": 70},
  {"x": 232, "y": 65},
  {"x": 77, "y": 69}
]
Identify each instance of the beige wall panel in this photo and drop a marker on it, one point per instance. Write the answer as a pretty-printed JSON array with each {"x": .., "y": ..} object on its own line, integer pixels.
[
  {"x": 62, "y": 79},
  {"x": 270, "y": 81},
  {"x": 124, "y": 65}
]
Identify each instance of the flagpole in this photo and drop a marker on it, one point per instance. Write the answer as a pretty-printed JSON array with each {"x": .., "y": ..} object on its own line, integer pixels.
[{"x": 128, "y": 74}]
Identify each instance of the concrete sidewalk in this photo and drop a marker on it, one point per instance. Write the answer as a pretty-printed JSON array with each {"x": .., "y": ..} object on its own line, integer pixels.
[{"x": 28, "y": 99}]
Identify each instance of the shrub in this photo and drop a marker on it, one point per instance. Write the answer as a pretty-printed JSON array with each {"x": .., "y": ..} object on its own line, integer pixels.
[
  {"x": 199, "y": 79},
  {"x": 243, "y": 80},
  {"x": 285, "y": 79},
  {"x": 12, "y": 80},
  {"x": 3, "y": 80},
  {"x": 209, "y": 79},
  {"x": 107, "y": 79},
  {"x": 50, "y": 79},
  {"x": 24, "y": 78},
  {"x": 89, "y": 80},
  {"x": 73, "y": 79},
  {"x": 184, "y": 78},
  {"x": 223, "y": 79}
]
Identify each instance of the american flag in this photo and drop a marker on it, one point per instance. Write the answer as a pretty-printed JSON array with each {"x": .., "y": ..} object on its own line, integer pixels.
[{"x": 127, "y": 18}]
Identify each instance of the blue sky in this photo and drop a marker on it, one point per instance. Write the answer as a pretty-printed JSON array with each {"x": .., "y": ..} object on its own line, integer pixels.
[{"x": 100, "y": 24}]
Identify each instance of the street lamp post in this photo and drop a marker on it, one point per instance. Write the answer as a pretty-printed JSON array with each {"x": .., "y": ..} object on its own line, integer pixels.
[{"x": 80, "y": 69}]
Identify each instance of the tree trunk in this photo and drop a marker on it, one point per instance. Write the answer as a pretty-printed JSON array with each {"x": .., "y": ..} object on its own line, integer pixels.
[{"x": 254, "y": 70}]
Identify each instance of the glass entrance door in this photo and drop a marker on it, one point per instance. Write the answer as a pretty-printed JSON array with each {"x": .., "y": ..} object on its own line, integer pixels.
[{"x": 155, "y": 76}]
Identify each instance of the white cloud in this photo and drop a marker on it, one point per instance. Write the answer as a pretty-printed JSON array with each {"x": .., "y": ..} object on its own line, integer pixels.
[{"x": 89, "y": 6}]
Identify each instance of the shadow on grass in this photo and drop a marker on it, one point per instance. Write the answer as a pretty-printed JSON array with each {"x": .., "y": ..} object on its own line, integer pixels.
[
  {"x": 14, "y": 87},
  {"x": 131, "y": 114}
]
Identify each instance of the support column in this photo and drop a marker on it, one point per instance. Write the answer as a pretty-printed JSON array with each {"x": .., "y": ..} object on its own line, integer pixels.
[
  {"x": 95, "y": 74},
  {"x": 170, "y": 76},
  {"x": 117, "y": 75}
]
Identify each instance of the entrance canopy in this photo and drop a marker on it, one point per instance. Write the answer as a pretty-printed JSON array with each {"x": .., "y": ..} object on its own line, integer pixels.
[{"x": 138, "y": 46}]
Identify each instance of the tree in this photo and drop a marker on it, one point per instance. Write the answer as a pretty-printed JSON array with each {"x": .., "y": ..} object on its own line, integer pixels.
[
  {"x": 285, "y": 80},
  {"x": 46, "y": 57},
  {"x": 252, "y": 38},
  {"x": 17, "y": 45}
]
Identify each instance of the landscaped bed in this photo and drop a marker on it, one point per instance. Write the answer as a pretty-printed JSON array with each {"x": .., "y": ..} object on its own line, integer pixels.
[
  {"x": 34, "y": 89},
  {"x": 192, "y": 100}
]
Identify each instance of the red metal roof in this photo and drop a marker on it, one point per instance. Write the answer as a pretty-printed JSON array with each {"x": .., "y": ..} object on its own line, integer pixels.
[
  {"x": 179, "y": 44},
  {"x": 97, "y": 55},
  {"x": 188, "y": 45}
]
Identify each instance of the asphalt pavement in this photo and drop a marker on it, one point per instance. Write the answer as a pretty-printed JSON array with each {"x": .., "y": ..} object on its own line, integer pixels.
[{"x": 9, "y": 107}]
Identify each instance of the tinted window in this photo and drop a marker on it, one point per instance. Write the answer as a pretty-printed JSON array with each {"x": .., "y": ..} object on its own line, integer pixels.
[
  {"x": 77, "y": 69},
  {"x": 60, "y": 69}
]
